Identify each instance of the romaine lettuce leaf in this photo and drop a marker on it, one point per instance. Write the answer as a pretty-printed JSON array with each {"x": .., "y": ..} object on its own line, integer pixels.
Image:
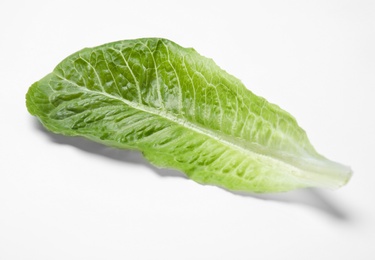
[{"x": 183, "y": 112}]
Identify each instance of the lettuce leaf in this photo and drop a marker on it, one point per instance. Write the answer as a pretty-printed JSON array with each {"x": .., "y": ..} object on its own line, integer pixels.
[{"x": 183, "y": 112}]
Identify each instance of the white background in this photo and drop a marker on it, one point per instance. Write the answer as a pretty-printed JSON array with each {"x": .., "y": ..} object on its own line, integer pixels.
[{"x": 68, "y": 198}]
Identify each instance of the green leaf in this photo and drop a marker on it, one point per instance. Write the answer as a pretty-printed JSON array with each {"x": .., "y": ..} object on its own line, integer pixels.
[{"x": 183, "y": 112}]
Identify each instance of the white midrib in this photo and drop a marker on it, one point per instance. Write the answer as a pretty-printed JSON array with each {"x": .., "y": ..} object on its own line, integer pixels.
[
  {"x": 201, "y": 130},
  {"x": 304, "y": 175}
]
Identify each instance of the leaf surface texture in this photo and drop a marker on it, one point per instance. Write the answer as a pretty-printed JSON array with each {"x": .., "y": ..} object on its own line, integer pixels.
[{"x": 183, "y": 112}]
